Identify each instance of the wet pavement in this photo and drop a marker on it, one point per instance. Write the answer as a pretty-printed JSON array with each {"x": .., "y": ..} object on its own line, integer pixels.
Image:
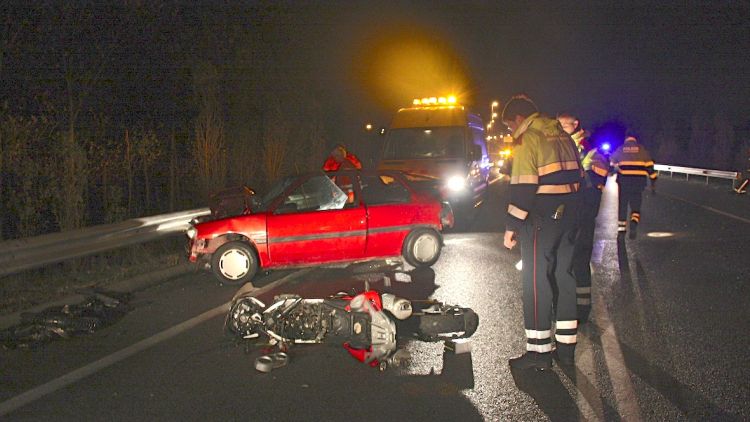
[{"x": 665, "y": 339}]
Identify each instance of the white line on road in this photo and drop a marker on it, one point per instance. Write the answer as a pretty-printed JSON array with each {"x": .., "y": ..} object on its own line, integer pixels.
[
  {"x": 80, "y": 373},
  {"x": 619, "y": 375},
  {"x": 706, "y": 207}
]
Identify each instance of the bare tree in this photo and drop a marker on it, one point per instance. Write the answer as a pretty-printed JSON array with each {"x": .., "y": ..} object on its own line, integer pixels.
[
  {"x": 129, "y": 156},
  {"x": 149, "y": 151},
  {"x": 11, "y": 28},
  {"x": 30, "y": 170},
  {"x": 700, "y": 137},
  {"x": 722, "y": 143},
  {"x": 275, "y": 142},
  {"x": 668, "y": 152},
  {"x": 209, "y": 148}
]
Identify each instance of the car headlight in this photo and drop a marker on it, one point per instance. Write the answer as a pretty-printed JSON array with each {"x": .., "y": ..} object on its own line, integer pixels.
[
  {"x": 500, "y": 163},
  {"x": 456, "y": 183},
  {"x": 191, "y": 232}
]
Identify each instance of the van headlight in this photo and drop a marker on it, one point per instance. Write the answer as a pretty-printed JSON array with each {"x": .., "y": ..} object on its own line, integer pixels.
[
  {"x": 456, "y": 183},
  {"x": 191, "y": 232}
]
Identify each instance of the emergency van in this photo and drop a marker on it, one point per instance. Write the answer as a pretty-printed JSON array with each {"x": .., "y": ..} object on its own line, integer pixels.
[{"x": 438, "y": 143}]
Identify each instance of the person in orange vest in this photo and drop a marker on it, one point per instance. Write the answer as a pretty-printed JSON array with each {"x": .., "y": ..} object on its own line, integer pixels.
[
  {"x": 634, "y": 168},
  {"x": 596, "y": 169},
  {"x": 341, "y": 158}
]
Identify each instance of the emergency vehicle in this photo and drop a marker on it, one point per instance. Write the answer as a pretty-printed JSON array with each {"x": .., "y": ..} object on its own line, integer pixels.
[{"x": 438, "y": 143}]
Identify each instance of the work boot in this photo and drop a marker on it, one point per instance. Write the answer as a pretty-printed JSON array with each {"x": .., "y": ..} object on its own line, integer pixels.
[
  {"x": 633, "y": 229},
  {"x": 529, "y": 360},
  {"x": 564, "y": 354}
]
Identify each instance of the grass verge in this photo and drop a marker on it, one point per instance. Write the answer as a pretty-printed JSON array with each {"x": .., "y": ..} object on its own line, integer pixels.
[{"x": 34, "y": 287}]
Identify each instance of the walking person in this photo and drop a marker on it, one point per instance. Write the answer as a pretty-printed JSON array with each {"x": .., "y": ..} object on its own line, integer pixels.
[
  {"x": 634, "y": 168},
  {"x": 596, "y": 169},
  {"x": 542, "y": 216}
]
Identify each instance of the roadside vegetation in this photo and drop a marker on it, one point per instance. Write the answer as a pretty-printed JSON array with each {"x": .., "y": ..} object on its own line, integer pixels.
[{"x": 113, "y": 111}]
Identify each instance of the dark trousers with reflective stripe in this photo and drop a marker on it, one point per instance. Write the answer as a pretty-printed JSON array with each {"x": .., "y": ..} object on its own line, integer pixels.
[
  {"x": 585, "y": 246},
  {"x": 547, "y": 251},
  {"x": 629, "y": 196}
]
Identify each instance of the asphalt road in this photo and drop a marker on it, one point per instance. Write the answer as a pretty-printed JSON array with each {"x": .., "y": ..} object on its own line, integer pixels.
[{"x": 666, "y": 339}]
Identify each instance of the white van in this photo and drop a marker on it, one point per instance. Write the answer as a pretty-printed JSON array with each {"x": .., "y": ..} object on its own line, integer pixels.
[{"x": 441, "y": 144}]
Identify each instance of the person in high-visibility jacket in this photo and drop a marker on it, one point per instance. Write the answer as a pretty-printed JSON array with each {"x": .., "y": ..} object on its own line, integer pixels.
[
  {"x": 543, "y": 215},
  {"x": 634, "y": 168},
  {"x": 341, "y": 158},
  {"x": 596, "y": 169}
]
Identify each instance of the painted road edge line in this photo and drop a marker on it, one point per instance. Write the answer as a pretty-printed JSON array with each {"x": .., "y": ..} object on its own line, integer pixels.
[
  {"x": 83, "y": 372},
  {"x": 706, "y": 207}
]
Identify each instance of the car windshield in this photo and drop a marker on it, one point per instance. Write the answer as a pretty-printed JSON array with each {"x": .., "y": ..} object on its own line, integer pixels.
[
  {"x": 416, "y": 143},
  {"x": 277, "y": 189}
]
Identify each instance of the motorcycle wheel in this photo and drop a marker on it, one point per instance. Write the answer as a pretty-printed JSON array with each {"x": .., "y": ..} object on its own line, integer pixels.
[{"x": 451, "y": 323}]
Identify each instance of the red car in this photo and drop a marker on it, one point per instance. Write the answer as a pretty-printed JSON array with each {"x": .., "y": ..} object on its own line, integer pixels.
[{"x": 321, "y": 218}]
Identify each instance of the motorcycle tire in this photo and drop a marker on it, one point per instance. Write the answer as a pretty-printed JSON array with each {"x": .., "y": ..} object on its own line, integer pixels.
[{"x": 453, "y": 324}]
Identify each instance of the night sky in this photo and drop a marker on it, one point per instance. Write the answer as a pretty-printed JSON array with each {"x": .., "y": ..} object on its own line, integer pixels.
[{"x": 640, "y": 63}]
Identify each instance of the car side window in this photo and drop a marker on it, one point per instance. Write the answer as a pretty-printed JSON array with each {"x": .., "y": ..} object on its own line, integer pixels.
[
  {"x": 383, "y": 189},
  {"x": 316, "y": 194},
  {"x": 345, "y": 182}
]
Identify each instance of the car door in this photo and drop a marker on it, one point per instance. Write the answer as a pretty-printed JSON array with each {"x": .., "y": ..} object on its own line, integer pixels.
[{"x": 317, "y": 222}]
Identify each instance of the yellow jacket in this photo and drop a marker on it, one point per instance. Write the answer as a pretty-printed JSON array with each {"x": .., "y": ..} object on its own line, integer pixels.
[{"x": 546, "y": 169}]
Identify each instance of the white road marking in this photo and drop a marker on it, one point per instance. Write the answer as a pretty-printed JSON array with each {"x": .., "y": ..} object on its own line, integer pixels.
[
  {"x": 107, "y": 361},
  {"x": 626, "y": 399},
  {"x": 705, "y": 207},
  {"x": 619, "y": 375}
]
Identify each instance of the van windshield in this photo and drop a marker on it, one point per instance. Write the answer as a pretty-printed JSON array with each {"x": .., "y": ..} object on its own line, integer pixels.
[{"x": 413, "y": 143}]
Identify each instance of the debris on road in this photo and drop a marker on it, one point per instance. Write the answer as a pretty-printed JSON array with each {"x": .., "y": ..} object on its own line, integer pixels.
[{"x": 99, "y": 309}]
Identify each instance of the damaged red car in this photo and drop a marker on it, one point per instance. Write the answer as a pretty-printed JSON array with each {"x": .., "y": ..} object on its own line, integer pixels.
[{"x": 322, "y": 218}]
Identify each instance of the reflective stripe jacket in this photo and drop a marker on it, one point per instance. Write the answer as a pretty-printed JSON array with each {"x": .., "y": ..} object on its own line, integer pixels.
[
  {"x": 633, "y": 164},
  {"x": 594, "y": 164},
  {"x": 546, "y": 170}
]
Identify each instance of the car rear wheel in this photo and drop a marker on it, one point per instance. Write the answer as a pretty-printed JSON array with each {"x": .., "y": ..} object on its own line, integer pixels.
[
  {"x": 234, "y": 263},
  {"x": 422, "y": 247}
]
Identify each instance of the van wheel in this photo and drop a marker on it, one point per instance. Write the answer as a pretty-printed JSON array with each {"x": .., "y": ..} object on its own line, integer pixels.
[
  {"x": 234, "y": 263},
  {"x": 422, "y": 247}
]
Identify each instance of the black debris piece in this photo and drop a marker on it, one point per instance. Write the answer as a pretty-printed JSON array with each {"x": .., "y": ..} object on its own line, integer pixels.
[{"x": 100, "y": 309}]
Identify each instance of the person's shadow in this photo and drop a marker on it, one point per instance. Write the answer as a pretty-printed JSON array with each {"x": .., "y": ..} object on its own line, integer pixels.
[{"x": 549, "y": 393}]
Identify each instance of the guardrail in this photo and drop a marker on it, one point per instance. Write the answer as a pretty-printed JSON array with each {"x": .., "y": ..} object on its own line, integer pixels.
[
  {"x": 707, "y": 173},
  {"x": 34, "y": 252}
]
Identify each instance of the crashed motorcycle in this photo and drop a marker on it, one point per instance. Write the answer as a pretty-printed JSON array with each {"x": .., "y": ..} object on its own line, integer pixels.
[{"x": 368, "y": 325}]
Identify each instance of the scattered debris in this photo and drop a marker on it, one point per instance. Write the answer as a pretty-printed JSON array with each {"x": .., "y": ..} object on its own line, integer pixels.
[
  {"x": 100, "y": 309},
  {"x": 268, "y": 363}
]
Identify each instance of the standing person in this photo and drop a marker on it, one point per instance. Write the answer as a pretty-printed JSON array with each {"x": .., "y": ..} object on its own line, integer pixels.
[
  {"x": 596, "y": 169},
  {"x": 542, "y": 215},
  {"x": 634, "y": 167},
  {"x": 341, "y": 157},
  {"x": 742, "y": 188}
]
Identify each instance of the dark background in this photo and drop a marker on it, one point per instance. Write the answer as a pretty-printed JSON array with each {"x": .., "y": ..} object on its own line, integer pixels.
[{"x": 310, "y": 75}]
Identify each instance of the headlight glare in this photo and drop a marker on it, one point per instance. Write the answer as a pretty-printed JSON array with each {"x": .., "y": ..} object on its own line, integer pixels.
[{"x": 456, "y": 183}]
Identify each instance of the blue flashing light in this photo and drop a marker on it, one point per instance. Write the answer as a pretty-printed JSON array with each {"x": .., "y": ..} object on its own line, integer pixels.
[{"x": 606, "y": 146}]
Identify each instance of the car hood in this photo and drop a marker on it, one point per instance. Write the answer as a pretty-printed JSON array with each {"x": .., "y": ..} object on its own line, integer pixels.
[{"x": 425, "y": 169}]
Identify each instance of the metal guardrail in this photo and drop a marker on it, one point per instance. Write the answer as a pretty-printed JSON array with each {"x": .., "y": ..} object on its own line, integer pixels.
[
  {"x": 707, "y": 173},
  {"x": 34, "y": 252}
]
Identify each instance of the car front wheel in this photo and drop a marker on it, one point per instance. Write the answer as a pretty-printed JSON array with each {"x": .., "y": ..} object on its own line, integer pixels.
[
  {"x": 422, "y": 247},
  {"x": 234, "y": 263}
]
